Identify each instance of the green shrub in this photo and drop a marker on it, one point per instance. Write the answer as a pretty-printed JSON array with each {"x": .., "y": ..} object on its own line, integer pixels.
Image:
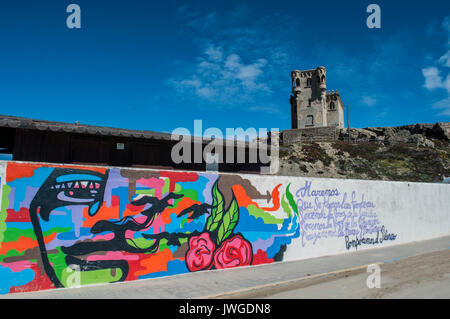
[{"x": 313, "y": 153}]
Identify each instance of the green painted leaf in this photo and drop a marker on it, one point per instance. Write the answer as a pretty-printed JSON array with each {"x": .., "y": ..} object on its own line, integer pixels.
[
  {"x": 291, "y": 200},
  {"x": 220, "y": 235},
  {"x": 285, "y": 205},
  {"x": 216, "y": 221},
  {"x": 229, "y": 222},
  {"x": 217, "y": 209}
]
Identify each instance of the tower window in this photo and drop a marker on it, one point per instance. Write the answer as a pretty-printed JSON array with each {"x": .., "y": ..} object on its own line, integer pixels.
[
  {"x": 297, "y": 82},
  {"x": 309, "y": 120},
  {"x": 308, "y": 82},
  {"x": 332, "y": 106}
]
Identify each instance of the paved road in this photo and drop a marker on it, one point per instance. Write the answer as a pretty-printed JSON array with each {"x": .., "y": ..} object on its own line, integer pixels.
[
  {"x": 426, "y": 276},
  {"x": 257, "y": 280}
]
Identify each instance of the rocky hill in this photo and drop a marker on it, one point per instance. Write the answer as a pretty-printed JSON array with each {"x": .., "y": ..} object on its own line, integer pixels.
[{"x": 416, "y": 153}]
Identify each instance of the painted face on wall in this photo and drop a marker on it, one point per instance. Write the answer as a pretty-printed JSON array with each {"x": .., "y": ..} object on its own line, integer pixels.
[
  {"x": 71, "y": 198},
  {"x": 60, "y": 201}
]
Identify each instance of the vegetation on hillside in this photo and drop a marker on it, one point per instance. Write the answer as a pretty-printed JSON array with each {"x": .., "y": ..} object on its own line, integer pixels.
[{"x": 368, "y": 160}]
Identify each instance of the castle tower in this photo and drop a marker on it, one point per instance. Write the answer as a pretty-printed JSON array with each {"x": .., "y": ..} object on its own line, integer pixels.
[{"x": 310, "y": 104}]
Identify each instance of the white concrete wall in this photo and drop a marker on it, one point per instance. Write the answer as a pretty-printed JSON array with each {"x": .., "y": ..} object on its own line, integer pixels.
[
  {"x": 408, "y": 211},
  {"x": 411, "y": 211}
]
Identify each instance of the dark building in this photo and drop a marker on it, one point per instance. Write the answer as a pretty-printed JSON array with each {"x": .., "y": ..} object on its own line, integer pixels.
[{"x": 56, "y": 142}]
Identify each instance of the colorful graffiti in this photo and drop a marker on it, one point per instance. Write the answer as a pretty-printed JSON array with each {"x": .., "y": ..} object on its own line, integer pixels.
[{"x": 109, "y": 224}]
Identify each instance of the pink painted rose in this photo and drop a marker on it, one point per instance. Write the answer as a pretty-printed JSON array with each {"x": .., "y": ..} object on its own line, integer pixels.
[
  {"x": 200, "y": 253},
  {"x": 233, "y": 252}
]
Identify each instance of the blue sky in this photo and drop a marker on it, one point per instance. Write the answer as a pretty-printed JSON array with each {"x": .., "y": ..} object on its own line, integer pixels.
[{"x": 159, "y": 65}]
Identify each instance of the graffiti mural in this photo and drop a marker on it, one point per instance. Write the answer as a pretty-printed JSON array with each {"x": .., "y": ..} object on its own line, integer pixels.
[{"x": 107, "y": 225}]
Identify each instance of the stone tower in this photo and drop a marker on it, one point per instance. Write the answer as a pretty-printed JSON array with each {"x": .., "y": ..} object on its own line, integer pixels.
[{"x": 311, "y": 105}]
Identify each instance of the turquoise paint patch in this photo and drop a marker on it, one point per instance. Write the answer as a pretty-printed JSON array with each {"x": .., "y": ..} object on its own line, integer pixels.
[
  {"x": 198, "y": 186},
  {"x": 84, "y": 233},
  {"x": 93, "y": 209},
  {"x": 10, "y": 278},
  {"x": 77, "y": 177},
  {"x": 181, "y": 224},
  {"x": 174, "y": 267},
  {"x": 20, "y": 225},
  {"x": 122, "y": 193}
]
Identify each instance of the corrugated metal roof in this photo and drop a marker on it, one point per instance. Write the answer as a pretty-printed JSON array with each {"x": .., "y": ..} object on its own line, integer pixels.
[{"x": 41, "y": 125}]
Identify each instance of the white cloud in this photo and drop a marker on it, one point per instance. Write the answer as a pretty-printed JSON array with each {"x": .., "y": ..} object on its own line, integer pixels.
[
  {"x": 381, "y": 115},
  {"x": 214, "y": 53},
  {"x": 247, "y": 74},
  {"x": 445, "y": 59},
  {"x": 206, "y": 92},
  {"x": 240, "y": 57},
  {"x": 223, "y": 77},
  {"x": 444, "y": 106},
  {"x": 203, "y": 22},
  {"x": 433, "y": 78},
  {"x": 446, "y": 24},
  {"x": 369, "y": 100}
]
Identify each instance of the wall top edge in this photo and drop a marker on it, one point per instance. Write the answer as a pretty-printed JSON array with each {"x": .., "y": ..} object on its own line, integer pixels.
[{"x": 300, "y": 178}]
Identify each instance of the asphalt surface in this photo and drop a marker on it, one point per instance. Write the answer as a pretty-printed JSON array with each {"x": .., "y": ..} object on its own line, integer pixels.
[
  {"x": 425, "y": 276},
  {"x": 337, "y": 276}
]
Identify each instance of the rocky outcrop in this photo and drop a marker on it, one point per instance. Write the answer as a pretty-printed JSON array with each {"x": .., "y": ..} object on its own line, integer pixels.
[
  {"x": 419, "y": 134},
  {"x": 442, "y": 130},
  {"x": 358, "y": 134}
]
